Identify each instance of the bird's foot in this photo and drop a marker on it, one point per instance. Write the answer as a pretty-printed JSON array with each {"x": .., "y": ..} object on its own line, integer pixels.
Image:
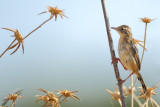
[
  {"x": 122, "y": 81},
  {"x": 114, "y": 59}
]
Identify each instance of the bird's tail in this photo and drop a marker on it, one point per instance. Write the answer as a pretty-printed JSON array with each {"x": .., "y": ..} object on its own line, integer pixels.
[{"x": 139, "y": 76}]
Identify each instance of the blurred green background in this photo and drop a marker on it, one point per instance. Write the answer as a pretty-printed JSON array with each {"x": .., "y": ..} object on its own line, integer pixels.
[{"x": 73, "y": 53}]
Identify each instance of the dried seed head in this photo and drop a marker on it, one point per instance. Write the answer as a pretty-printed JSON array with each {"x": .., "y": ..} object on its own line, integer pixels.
[
  {"x": 146, "y": 20},
  {"x": 50, "y": 98},
  {"x": 130, "y": 91},
  {"x": 148, "y": 94},
  {"x": 13, "y": 97},
  {"x": 55, "y": 12},
  {"x": 66, "y": 94},
  {"x": 115, "y": 95},
  {"x": 17, "y": 35}
]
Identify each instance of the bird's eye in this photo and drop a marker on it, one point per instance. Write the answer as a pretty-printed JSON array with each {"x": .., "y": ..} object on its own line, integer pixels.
[{"x": 122, "y": 29}]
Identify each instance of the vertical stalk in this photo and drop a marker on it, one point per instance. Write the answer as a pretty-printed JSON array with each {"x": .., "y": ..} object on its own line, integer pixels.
[
  {"x": 132, "y": 100},
  {"x": 137, "y": 100},
  {"x": 116, "y": 70},
  {"x": 155, "y": 103},
  {"x": 143, "y": 48},
  {"x": 144, "y": 42}
]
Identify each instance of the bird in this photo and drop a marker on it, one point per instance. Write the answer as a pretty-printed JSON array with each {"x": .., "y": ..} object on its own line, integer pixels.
[{"x": 128, "y": 54}]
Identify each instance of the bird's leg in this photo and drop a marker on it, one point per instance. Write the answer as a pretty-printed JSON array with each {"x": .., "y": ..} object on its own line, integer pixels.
[
  {"x": 122, "y": 81},
  {"x": 114, "y": 59}
]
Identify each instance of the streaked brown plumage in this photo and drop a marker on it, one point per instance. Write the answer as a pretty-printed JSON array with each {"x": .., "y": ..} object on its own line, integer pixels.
[{"x": 128, "y": 52}]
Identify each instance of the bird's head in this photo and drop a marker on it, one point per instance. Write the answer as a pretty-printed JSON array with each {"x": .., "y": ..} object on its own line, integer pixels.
[{"x": 123, "y": 30}]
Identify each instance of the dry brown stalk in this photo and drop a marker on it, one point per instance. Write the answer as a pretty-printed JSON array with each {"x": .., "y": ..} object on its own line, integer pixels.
[{"x": 116, "y": 70}]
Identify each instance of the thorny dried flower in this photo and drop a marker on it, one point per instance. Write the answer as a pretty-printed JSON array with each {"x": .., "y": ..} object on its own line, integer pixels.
[
  {"x": 66, "y": 94},
  {"x": 18, "y": 37},
  {"x": 115, "y": 95},
  {"x": 146, "y": 20},
  {"x": 13, "y": 97},
  {"x": 148, "y": 95},
  {"x": 55, "y": 12},
  {"x": 128, "y": 91},
  {"x": 49, "y": 99}
]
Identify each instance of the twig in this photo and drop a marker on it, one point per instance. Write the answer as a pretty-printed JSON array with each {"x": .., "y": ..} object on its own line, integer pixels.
[
  {"x": 144, "y": 47},
  {"x": 120, "y": 102},
  {"x": 116, "y": 70},
  {"x": 111, "y": 102},
  {"x": 155, "y": 103},
  {"x": 8, "y": 48},
  {"x": 137, "y": 100},
  {"x": 144, "y": 43},
  {"x": 146, "y": 103},
  {"x": 38, "y": 27},
  {"x": 132, "y": 100}
]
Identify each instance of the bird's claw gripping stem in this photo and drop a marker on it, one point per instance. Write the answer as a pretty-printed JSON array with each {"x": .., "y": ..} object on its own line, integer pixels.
[{"x": 114, "y": 59}]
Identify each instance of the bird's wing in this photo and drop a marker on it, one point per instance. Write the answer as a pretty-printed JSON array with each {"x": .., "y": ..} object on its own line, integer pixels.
[{"x": 135, "y": 54}]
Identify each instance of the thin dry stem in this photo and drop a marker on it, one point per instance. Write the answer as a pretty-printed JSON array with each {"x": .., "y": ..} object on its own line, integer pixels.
[
  {"x": 8, "y": 48},
  {"x": 116, "y": 70},
  {"x": 146, "y": 103},
  {"x": 137, "y": 100},
  {"x": 155, "y": 103},
  {"x": 144, "y": 47},
  {"x": 38, "y": 27},
  {"x": 144, "y": 42},
  {"x": 132, "y": 100},
  {"x": 120, "y": 102},
  {"x": 111, "y": 102},
  {"x": 134, "y": 82}
]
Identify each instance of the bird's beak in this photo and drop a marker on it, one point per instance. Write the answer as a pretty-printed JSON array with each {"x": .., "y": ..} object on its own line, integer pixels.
[{"x": 114, "y": 28}]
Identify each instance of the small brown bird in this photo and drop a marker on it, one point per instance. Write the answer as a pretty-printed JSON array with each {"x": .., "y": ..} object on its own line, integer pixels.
[{"x": 128, "y": 53}]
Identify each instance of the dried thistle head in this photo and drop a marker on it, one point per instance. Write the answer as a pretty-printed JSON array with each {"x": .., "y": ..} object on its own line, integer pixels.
[
  {"x": 148, "y": 94},
  {"x": 55, "y": 12},
  {"x": 18, "y": 37},
  {"x": 44, "y": 98},
  {"x": 53, "y": 102},
  {"x": 66, "y": 94},
  {"x": 128, "y": 91},
  {"x": 146, "y": 20},
  {"x": 13, "y": 97},
  {"x": 115, "y": 95},
  {"x": 49, "y": 99}
]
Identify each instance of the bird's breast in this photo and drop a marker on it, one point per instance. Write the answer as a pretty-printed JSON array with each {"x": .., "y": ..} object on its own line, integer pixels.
[{"x": 125, "y": 55}]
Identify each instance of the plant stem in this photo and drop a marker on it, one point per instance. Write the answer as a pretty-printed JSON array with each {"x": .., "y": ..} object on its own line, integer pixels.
[
  {"x": 38, "y": 27},
  {"x": 144, "y": 42},
  {"x": 155, "y": 103},
  {"x": 132, "y": 102},
  {"x": 8, "y": 48},
  {"x": 137, "y": 100},
  {"x": 116, "y": 70},
  {"x": 144, "y": 47}
]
